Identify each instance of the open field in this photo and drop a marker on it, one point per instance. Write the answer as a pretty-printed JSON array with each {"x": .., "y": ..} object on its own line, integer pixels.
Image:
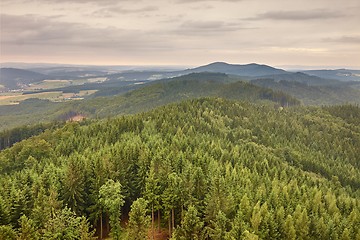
[
  {"x": 51, "y": 84},
  {"x": 16, "y": 98},
  {"x": 55, "y": 96},
  {"x": 48, "y": 84}
]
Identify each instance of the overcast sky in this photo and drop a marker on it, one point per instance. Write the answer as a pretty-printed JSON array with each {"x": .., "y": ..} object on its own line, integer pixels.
[{"x": 181, "y": 32}]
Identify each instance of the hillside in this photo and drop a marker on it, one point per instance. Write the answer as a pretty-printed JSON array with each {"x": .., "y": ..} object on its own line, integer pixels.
[
  {"x": 338, "y": 74},
  {"x": 301, "y": 78},
  {"x": 146, "y": 97},
  {"x": 13, "y": 78},
  {"x": 209, "y": 168},
  {"x": 194, "y": 85},
  {"x": 314, "y": 95}
]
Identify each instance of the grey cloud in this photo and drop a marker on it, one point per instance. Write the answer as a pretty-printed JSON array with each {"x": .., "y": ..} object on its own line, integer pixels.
[
  {"x": 207, "y": 27},
  {"x": 95, "y": 2},
  {"x": 345, "y": 39},
  {"x": 33, "y": 30},
  {"x": 298, "y": 15},
  {"x": 113, "y": 11},
  {"x": 193, "y": 1}
]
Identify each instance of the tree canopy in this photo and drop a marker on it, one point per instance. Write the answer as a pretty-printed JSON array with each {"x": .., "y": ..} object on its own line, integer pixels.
[{"x": 211, "y": 169}]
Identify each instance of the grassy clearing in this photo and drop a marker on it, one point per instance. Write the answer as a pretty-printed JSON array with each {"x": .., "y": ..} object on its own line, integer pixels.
[
  {"x": 10, "y": 98},
  {"x": 48, "y": 84},
  {"x": 52, "y": 84},
  {"x": 16, "y": 98},
  {"x": 99, "y": 79}
]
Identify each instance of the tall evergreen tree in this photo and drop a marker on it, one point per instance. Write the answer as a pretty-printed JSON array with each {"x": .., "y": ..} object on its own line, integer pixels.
[
  {"x": 138, "y": 220},
  {"x": 112, "y": 200}
]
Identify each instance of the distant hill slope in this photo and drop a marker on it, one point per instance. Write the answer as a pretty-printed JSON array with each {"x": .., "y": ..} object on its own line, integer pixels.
[
  {"x": 338, "y": 74},
  {"x": 149, "y": 96},
  {"x": 190, "y": 86},
  {"x": 251, "y": 70},
  {"x": 301, "y": 78},
  {"x": 74, "y": 72},
  {"x": 313, "y": 95},
  {"x": 13, "y": 78}
]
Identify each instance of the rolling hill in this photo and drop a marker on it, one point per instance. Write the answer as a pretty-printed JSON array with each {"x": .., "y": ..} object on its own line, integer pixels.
[
  {"x": 145, "y": 97},
  {"x": 338, "y": 74},
  {"x": 314, "y": 95},
  {"x": 301, "y": 78},
  {"x": 13, "y": 78}
]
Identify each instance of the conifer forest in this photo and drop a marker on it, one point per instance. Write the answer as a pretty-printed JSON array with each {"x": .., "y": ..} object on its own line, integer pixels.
[{"x": 205, "y": 168}]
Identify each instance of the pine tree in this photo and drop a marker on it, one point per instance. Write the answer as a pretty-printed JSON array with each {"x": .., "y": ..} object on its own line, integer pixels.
[
  {"x": 289, "y": 229},
  {"x": 27, "y": 229},
  {"x": 66, "y": 225},
  {"x": 138, "y": 220},
  {"x": 191, "y": 226},
  {"x": 112, "y": 200},
  {"x": 7, "y": 232},
  {"x": 74, "y": 184},
  {"x": 152, "y": 193},
  {"x": 218, "y": 228}
]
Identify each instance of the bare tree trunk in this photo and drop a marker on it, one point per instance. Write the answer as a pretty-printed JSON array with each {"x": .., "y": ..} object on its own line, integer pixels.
[
  {"x": 173, "y": 218},
  {"x": 152, "y": 221},
  {"x": 182, "y": 212},
  {"x": 108, "y": 225},
  {"x": 169, "y": 227},
  {"x": 159, "y": 227},
  {"x": 101, "y": 227}
]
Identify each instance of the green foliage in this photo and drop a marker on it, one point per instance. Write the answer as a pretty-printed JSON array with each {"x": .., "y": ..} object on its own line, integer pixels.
[
  {"x": 74, "y": 183},
  {"x": 218, "y": 227},
  {"x": 7, "y": 232},
  {"x": 191, "y": 226},
  {"x": 111, "y": 198},
  {"x": 252, "y": 171},
  {"x": 139, "y": 221},
  {"x": 27, "y": 229},
  {"x": 311, "y": 93},
  {"x": 66, "y": 225},
  {"x": 9, "y": 137}
]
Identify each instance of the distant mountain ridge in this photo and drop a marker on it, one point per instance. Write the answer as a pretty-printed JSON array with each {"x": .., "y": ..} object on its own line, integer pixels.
[
  {"x": 12, "y": 78},
  {"x": 250, "y": 70}
]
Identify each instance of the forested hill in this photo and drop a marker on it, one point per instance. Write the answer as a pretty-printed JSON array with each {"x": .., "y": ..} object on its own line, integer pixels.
[
  {"x": 331, "y": 94},
  {"x": 14, "y": 78},
  {"x": 211, "y": 169},
  {"x": 144, "y": 98},
  {"x": 190, "y": 86}
]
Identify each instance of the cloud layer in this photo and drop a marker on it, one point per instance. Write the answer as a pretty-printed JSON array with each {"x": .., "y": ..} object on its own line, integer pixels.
[
  {"x": 317, "y": 14},
  {"x": 181, "y": 31}
]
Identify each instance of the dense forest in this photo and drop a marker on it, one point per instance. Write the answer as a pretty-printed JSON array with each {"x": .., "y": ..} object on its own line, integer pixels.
[{"x": 207, "y": 168}]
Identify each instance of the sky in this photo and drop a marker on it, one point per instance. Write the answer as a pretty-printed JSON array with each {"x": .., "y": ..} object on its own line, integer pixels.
[{"x": 181, "y": 32}]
